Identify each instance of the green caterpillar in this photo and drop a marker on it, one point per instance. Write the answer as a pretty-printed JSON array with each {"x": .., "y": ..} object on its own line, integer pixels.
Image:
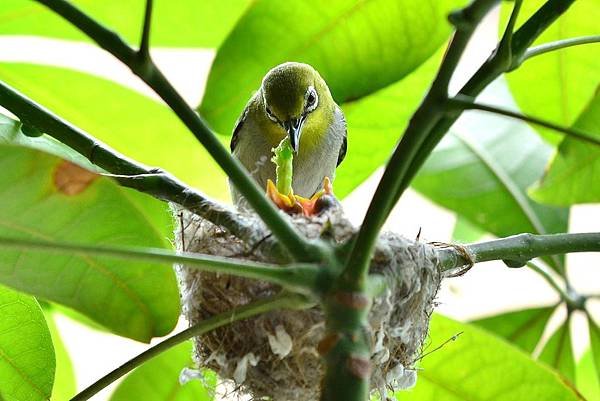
[{"x": 283, "y": 157}]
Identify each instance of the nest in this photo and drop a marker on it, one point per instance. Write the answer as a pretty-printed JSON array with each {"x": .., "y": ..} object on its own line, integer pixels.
[{"x": 273, "y": 356}]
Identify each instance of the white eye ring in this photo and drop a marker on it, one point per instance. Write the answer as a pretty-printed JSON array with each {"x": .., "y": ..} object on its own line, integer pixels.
[
  {"x": 311, "y": 93},
  {"x": 270, "y": 114}
]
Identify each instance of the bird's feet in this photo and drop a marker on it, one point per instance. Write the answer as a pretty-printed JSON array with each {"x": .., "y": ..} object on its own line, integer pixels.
[{"x": 296, "y": 204}]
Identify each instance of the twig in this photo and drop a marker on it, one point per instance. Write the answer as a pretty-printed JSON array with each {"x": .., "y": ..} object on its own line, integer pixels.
[
  {"x": 299, "y": 278},
  {"x": 517, "y": 250},
  {"x": 500, "y": 62},
  {"x": 463, "y": 103},
  {"x": 553, "y": 46},
  {"x": 427, "y": 115},
  {"x": 129, "y": 173},
  {"x": 549, "y": 279},
  {"x": 144, "y": 50},
  {"x": 281, "y": 301},
  {"x": 297, "y": 246}
]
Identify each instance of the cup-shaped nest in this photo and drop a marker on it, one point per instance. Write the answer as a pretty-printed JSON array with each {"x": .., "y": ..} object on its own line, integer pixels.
[{"x": 273, "y": 356}]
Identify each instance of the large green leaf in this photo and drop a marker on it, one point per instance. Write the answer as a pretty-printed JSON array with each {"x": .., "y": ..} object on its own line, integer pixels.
[
  {"x": 27, "y": 361},
  {"x": 482, "y": 168},
  {"x": 478, "y": 366},
  {"x": 357, "y": 46},
  {"x": 558, "y": 352},
  {"x": 524, "y": 328},
  {"x": 558, "y": 85},
  {"x": 158, "y": 380},
  {"x": 188, "y": 23},
  {"x": 50, "y": 199},
  {"x": 375, "y": 123},
  {"x": 587, "y": 378},
  {"x": 64, "y": 379},
  {"x": 574, "y": 173},
  {"x": 595, "y": 345},
  {"x": 465, "y": 231},
  {"x": 133, "y": 124}
]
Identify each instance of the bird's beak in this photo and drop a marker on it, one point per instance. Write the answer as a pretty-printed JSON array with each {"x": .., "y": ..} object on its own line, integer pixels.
[{"x": 293, "y": 128}]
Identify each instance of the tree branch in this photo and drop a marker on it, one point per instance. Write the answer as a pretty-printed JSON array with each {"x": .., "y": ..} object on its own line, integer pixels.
[
  {"x": 290, "y": 238},
  {"x": 129, "y": 173},
  {"x": 461, "y": 102},
  {"x": 549, "y": 279},
  {"x": 499, "y": 62},
  {"x": 517, "y": 250},
  {"x": 144, "y": 50},
  {"x": 427, "y": 115},
  {"x": 301, "y": 278},
  {"x": 553, "y": 46},
  {"x": 281, "y": 301}
]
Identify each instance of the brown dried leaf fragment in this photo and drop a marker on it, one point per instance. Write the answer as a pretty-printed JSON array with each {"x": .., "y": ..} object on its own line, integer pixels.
[{"x": 70, "y": 179}]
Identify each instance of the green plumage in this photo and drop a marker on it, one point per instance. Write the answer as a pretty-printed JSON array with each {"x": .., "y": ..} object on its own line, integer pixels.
[{"x": 291, "y": 95}]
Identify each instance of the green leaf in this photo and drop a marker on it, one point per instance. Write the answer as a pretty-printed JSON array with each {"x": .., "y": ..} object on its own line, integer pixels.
[
  {"x": 133, "y": 124},
  {"x": 574, "y": 173},
  {"x": 482, "y": 168},
  {"x": 524, "y": 328},
  {"x": 478, "y": 366},
  {"x": 50, "y": 199},
  {"x": 557, "y": 85},
  {"x": 27, "y": 361},
  {"x": 465, "y": 231},
  {"x": 377, "y": 121},
  {"x": 184, "y": 23},
  {"x": 357, "y": 46},
  {"x": 558, "y": 352},
  {"x": 64, "y": 379},
  {"x": 595, "y": 345},
  {"x": 587, "y": 377},
  {"x": 158, "y": 380}
]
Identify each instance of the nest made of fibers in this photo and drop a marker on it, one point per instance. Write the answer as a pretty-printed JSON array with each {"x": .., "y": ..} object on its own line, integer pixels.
[{"x": 273, "y": 356}]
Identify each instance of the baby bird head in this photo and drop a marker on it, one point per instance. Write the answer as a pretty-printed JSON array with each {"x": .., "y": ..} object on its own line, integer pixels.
[{"x": 295, "y": 95}]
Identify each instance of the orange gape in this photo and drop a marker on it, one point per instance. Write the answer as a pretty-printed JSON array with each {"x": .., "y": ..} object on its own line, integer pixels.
[{"x": 296, "y": 204}]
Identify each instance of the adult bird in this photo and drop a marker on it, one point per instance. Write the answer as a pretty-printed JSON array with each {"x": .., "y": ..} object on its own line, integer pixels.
[{"x": 293, "y": 100}]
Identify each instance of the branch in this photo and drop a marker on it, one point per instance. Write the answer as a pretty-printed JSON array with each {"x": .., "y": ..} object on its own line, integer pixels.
[
  {"x": 499, "y": 62},
  {"x": 462, "y": 103},
  {"x": 144, "y": 50},
  {"x": 552, "y": 46},
  {"x": 145, "y": 68},
  {"x": 128, "y": 172},
  {"x": 517, "y": 250},
  {"x": 549, "y": 279},
  {"x": 283, "y": 300},
  {"x": 427, "y": 115},
  {"x": 300, "y": 278}
]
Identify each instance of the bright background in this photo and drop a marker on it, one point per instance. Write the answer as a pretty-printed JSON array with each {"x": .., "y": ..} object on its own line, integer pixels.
[{"x": 486, "y": 289}]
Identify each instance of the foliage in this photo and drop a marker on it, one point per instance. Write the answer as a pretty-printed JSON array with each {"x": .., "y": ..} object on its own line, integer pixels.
[{"x": 500, "y": 177}]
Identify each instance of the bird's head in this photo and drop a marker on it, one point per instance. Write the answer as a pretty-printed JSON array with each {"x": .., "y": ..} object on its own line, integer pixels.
[{"x": 296, "y": 97}]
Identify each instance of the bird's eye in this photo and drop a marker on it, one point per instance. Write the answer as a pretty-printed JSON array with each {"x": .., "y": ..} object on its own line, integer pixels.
[
  {"x": 271, "y": 115},
  {"x": 311, "y": 99}
]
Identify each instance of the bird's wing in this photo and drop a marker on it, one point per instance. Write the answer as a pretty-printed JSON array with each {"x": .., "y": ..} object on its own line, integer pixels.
[
  {"x": 238, "y": 128},
  {"x": 344, "y": 146}
]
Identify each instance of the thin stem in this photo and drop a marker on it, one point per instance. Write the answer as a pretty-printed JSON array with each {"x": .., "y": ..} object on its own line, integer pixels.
[
  {"x": 517, "y": 250},
  {"x": 300, "y": 278},
  {"x": 558, "y": 45},
  {"x": 128, "y": 172},
  {"x": 283, "y": 300},
  {"x": 290, "y": 238},
  {"x": 426, "y": 116},
  {"x": 144, "y": 50},
  {"x": 463, "y": 102},
  {"x": 549, "y": 279},
  {"x": 498, "y": 63}
]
